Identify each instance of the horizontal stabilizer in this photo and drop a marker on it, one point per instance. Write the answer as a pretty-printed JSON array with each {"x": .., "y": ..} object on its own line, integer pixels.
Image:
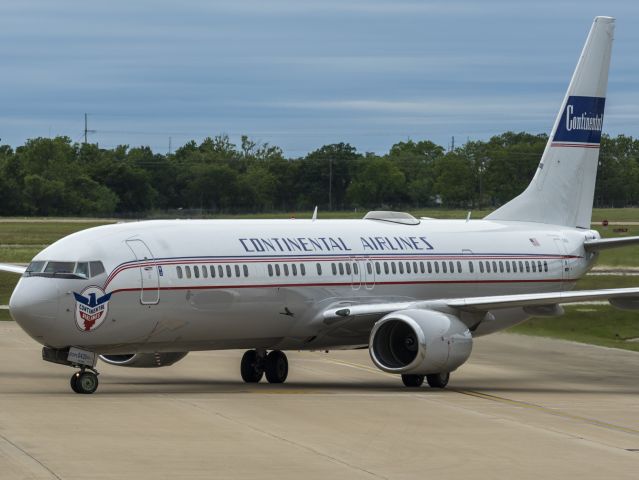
[{"x": 606, "y": 243}]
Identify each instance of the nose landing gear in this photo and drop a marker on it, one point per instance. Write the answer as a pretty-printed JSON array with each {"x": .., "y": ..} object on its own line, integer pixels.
[{"x": 84, "y": 381}]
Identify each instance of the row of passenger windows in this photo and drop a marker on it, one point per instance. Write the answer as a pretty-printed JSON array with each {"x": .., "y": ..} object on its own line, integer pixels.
[
  {"x": 221, "y": 271},
  {"x": 352, "y": 268}
]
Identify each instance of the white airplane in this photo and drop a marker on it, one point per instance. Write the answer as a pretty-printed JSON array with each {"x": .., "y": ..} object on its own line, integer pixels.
[{"x": 414, "y": 292}]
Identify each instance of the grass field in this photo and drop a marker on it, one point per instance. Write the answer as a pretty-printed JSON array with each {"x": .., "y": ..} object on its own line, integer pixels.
[{"x": 20, "y": 240}]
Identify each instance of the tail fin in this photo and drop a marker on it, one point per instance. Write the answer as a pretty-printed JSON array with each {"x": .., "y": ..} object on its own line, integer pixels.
[{"x": 563, "y": 188}]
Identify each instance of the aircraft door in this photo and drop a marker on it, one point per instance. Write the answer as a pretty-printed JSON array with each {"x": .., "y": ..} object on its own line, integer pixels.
[
  {"x": 561, "y": 267},
  {"x": 149, "y": 276}
]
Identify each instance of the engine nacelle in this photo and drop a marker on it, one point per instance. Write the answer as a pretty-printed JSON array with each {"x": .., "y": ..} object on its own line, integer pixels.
[
  {"x": 144, "y": 360},
  {"x": 419, "y": 342}
]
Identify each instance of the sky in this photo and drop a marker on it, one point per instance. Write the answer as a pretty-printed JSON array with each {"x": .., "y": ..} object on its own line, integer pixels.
[{"x": 301, "y": 74}]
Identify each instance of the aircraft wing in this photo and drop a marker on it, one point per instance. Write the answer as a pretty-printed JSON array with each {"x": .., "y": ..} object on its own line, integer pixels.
[
  {"x": 7, "y": 267},
  {"x": 625, "y": 298}
]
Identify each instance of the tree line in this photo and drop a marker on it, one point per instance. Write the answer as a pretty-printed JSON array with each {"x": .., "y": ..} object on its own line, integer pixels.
[{"x": 56, "y": 177}]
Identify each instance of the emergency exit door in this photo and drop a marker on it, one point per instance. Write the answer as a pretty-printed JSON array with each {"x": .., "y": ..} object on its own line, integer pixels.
[{"x": 149, "y": 276}]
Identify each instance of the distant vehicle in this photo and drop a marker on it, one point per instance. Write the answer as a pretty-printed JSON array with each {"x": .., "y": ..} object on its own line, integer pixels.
[{"x": 414, "y": 292}]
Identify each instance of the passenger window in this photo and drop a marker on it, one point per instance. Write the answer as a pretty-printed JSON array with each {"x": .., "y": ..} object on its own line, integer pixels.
[
  {"x": 521, "y": 266},
  {"x": 96, "y": 268},
  {"x": 459, "y": 267},
  {"x": 348, "y": 268},
  {"x": 444, "y": 268},
  {"x": 237, "y": 270},
  {"x": 340, "y": 266},
  {"x": 507, "y": 267},
  {"x": 415, "y": 267},
  {"x": 436, "y": 267},
  {"x": 430, "y": 270},
  {"x": 534, "y": 267},
  {"x": 277, "y": 269},
  {"x": 408, "y": 267},
  {"x": 545, "y": 266},
  {"x": 494, "y": 266},
  {"x": 245, "y": 268},
  {"x": 386, "y": 268},
  {"x": 285, "y": 266},
  {"x": 334, "y": 269},
  {"x": 471, "y": 267},
  {"x": 421, "y": 267},
  {"x": 401, "y": 267},
  {"x": 228, "y": 271},
  {"x": 369, "y": 268},
  {"x": 205, "y": 273},
  {"x": 527, "y": 267},
  {"x": 188, "y": 271},
  {"x": 179, "y": 271},
  {"x": 270, "y": 270},
  {"x": 451, "y": 266},
  {"x": 294, "y": 270},
  {"x": 481, "y": 267},
  {"x": 196, "y": 271},
  {"x": 514, "y": 267},
  {"x": 302, "y": 269},
  {"x": 393, "y": 268},
  {"x": 487, "y": 267},
  {"x": 539, "y": 266},
  {"x": 378, "y": 268},
  {"x": 355, "y": 268},
  {"x": 319, "y": 268},
  {"x": 220, "y": 271}
]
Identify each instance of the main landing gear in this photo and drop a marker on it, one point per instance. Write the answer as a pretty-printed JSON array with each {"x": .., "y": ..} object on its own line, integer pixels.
[
  {"x": 256, "y": 363},
  {"x": 84, "y": 381},
  {"x": 436, "y": 380}
]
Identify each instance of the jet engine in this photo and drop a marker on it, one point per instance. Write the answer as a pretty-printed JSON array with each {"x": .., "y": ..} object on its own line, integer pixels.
[
  {"x": 144, "y": 360},
  {"x": 420, "y": 342}
]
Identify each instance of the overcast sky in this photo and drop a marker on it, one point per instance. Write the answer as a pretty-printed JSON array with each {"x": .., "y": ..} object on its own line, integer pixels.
[{"x": 301, "y": 74}]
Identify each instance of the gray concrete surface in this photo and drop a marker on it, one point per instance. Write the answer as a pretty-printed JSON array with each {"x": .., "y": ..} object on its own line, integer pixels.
[{"x": 522, "y": 408}]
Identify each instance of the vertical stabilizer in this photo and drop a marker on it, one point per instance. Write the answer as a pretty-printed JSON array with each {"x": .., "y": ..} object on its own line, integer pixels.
[{"x": 563, "y": 188}]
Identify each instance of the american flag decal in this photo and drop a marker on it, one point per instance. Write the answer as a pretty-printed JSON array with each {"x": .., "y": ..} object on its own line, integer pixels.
[{"x": 534, "y": 242}]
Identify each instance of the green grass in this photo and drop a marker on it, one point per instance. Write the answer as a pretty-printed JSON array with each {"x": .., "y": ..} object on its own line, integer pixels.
[
  {"x": 595, "y": 324},
  {"x": 5, "y": 316},
  {"x": 39, "y": 232}
]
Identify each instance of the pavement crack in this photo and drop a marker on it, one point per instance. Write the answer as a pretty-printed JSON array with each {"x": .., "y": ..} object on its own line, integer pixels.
[
  {"x": 302, "y": 446},
  {"x": 22, "y": 451}
]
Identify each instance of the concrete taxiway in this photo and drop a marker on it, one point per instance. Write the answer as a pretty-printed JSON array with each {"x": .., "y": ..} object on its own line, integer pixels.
[{"x": 523, "y": 407}]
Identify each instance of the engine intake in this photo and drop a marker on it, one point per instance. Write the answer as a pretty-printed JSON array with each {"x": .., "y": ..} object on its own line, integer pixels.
[
  {"x": 144, "y": 360},
  {"x": 419, "y": 342}
]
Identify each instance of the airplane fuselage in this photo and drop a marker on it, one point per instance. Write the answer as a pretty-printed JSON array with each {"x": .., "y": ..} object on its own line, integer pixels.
[{"x": 216, "y": 284}]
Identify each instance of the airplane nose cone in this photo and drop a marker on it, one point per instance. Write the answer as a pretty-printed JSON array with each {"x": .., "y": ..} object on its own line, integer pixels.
[{"x": 34, "y": 306}]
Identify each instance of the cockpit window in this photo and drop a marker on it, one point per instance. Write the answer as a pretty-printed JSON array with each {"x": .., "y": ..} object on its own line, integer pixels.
[
  {"x": 82, "y": 269},
  {"x": 59, "y": 267},
  {"x": 96, "y": 268},
  {"x": 73, "y": 270},
  {"x": 35, "y": 267}
]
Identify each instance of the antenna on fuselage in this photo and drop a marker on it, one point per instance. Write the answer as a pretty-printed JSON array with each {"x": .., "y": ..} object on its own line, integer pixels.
[
  {"x": 468, "y": 216},
  {"x": 314, "y": 214}
]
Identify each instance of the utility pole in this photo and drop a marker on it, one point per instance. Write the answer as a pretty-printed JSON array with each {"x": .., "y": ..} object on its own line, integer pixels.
[
  {"x": 86, "y": 128},
  {"x": 330, "y": 184}
]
